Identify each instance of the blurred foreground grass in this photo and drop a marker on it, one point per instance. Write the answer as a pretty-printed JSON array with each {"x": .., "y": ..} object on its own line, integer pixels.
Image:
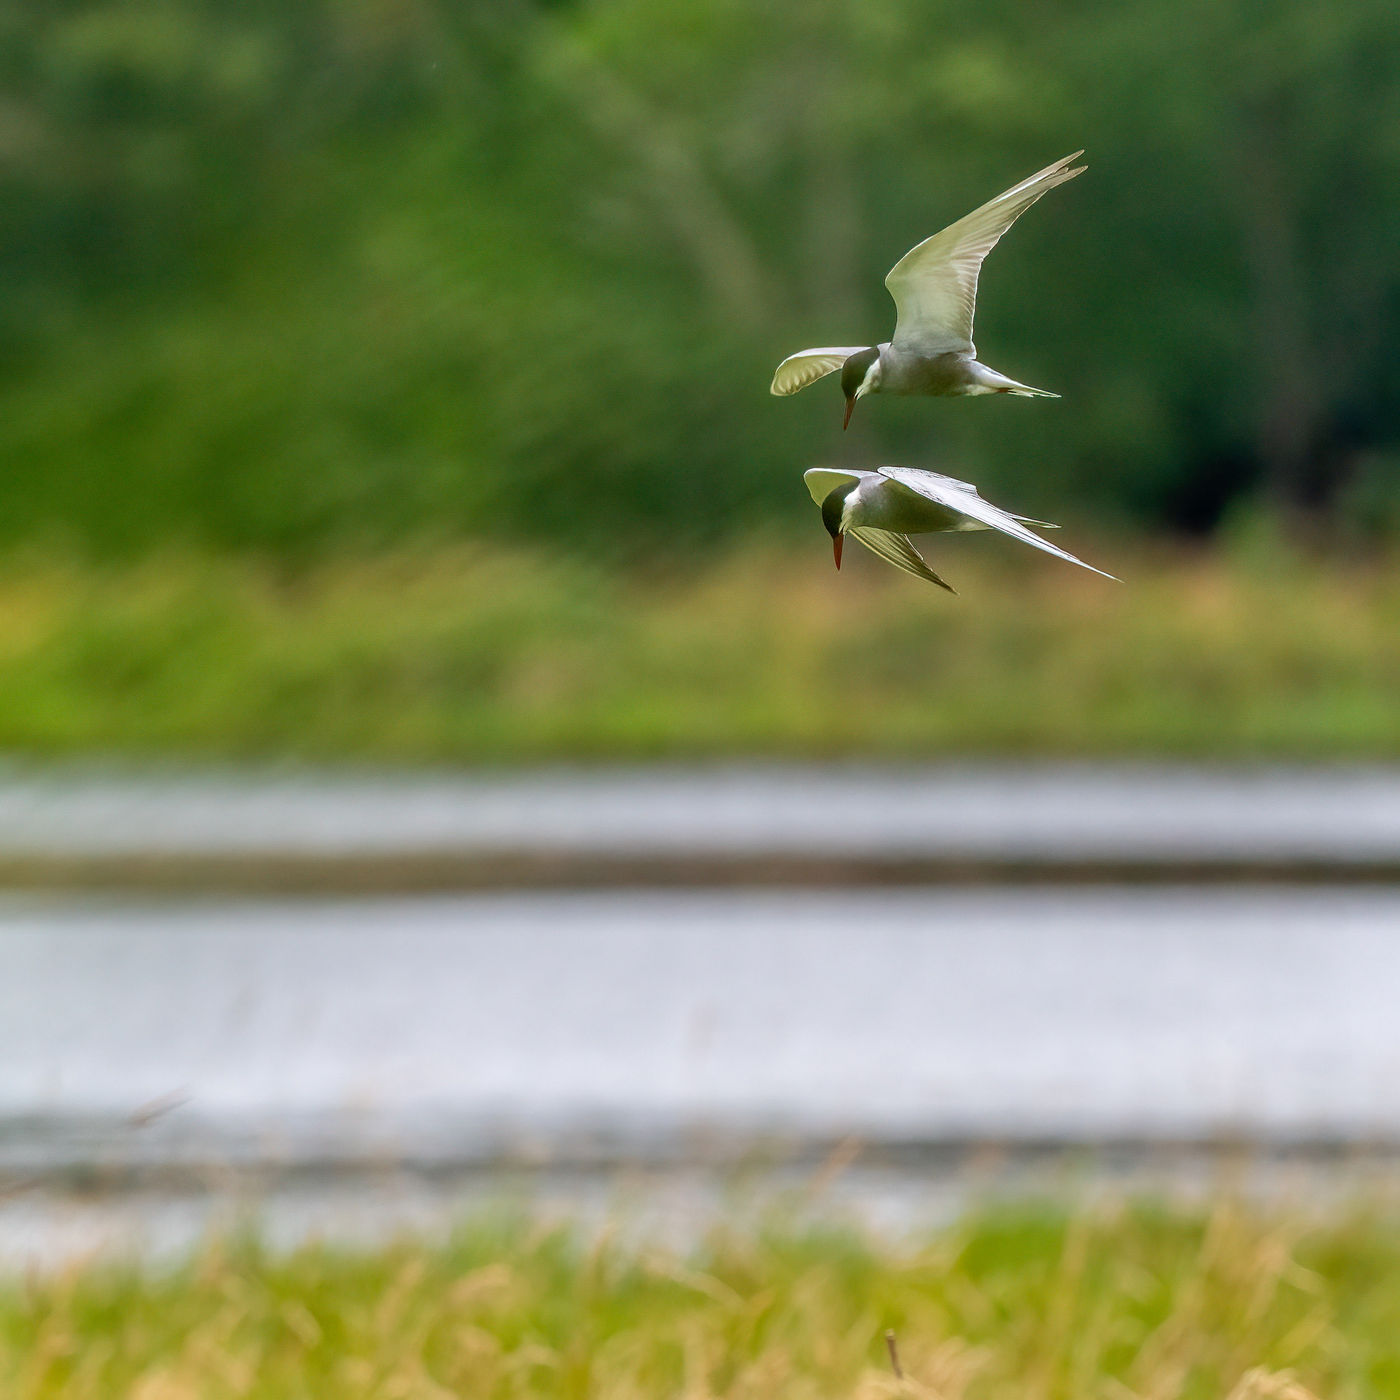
[
  {"x": 1012, "y": 1304},
  {"x": 481, "y": 654}
]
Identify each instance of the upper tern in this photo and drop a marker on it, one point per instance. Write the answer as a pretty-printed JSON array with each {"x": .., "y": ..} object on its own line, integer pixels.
[
  {"x": 934, "y": 287},
  {"x": 884, "y": 507}
]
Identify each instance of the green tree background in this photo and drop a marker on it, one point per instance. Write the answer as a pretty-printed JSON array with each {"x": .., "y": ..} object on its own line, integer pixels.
[{"x": 299, "y": 278}]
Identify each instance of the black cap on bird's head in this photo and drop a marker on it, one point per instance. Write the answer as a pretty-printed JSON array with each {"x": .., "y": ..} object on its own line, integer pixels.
[
  {"x": 853, "y": 374},
  {"x": 833, "y": 507}
]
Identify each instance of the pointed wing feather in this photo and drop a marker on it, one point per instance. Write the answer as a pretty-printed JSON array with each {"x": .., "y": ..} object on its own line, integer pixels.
[
  {"x": 807, "y": 366},
  {"x": 934, "y": 285},
  {"x": 959, "y": 496},
  {"x": 895, "y": 549}
]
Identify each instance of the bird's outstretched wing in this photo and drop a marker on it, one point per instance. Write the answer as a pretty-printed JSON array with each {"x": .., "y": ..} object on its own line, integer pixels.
[
  {"x": 934, "y": 285},
  {"x": 896, "y": 549},
  {"x": 954, "y": 483},
  {"x": 807, "y": 366},
  {"x": 822, "y": 481},
  {"x": 961, "y": 497}
]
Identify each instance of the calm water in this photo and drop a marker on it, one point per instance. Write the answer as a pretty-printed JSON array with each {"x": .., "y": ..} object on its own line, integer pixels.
[
  {"x": 1023, "y": 810},
  {"x": 463, "y": 1027},
  {"x": 582, "y": 1032}
]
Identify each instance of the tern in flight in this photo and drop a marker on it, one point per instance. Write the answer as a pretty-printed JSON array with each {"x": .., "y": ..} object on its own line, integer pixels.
[
  {"x": 934, "y": 287},
  {"x": 884, "y": 507}
]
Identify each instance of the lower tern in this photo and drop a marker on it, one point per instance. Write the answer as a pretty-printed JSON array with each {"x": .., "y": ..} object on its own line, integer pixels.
[
  {"x": 882, "y": 508},
  {"x": 934, "y": 287}
]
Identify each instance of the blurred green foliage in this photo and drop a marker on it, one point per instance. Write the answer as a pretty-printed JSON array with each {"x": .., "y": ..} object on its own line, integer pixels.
[
  {"x": 482, "y": 655},
  {"x": 322, "y": 276}
]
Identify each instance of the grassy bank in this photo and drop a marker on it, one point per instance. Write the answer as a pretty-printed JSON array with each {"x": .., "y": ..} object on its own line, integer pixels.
[
  {"x": 486, "y": 655},
  {"x": 1013, "y": 1303}
]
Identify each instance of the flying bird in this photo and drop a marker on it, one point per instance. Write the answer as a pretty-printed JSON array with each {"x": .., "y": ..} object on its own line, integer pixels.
[
  {"x": 934, "y": 287},
  {"x": 883, "y": 508}
]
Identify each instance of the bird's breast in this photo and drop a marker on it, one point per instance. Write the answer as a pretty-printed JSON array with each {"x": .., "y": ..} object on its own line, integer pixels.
[{"x": 904, "y": 371}]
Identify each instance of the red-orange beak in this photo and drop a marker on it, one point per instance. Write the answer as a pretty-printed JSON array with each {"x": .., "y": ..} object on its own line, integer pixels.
[
  {"x": 836, "y": 548},
  {"x": 850, "y": 408}
]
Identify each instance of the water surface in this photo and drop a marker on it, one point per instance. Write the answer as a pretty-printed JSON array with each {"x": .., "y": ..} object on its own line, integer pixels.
[{"x": 466, "y": 1027}]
